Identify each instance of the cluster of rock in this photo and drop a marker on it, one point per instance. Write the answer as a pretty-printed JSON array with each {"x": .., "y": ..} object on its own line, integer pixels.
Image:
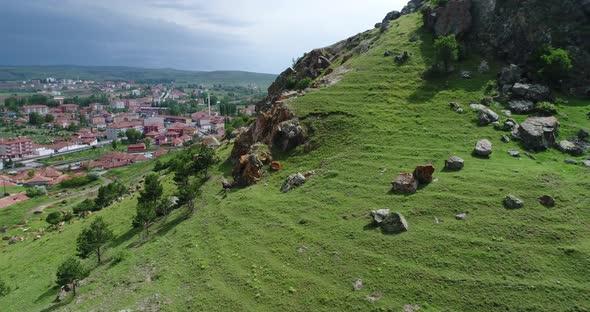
[
  {"x": 537, "y": 133},
  {"x": 576, "y": 145},
  {"x": 407, "y": 183},
  {"x": 391, "y": 16},
  {"x": 389, "y": 222}
]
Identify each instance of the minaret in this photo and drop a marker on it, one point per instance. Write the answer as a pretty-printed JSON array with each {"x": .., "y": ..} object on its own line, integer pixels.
[{"x": 209, "y": 101}]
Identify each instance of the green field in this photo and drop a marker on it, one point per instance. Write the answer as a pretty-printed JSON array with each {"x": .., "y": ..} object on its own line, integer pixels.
[{"x": 256, "y": 249}]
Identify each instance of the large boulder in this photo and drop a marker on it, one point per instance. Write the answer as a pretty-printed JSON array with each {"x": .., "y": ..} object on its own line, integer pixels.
[
  {"x": 405, "y": 183},
  {"x": 483, "y": 148},
  {"x": 289, "y": 134},
  {"x": 521, "y": 106},
  {"x": 424, "y": 173},
  {"x": 485, "y": 115},
  {"x": 250, "y": 167},
  {"x": 532, "y": 92},
  {"x": 454, "y": 163},
  {"x": 571, "y": 147},
  {"x": 293, "y": 181},
  {"x": 509, "y": 75},
  {"x": 454, "y": 18},
  {"x": 537, "y": 133},
  {"x": 394, "y": 223}
]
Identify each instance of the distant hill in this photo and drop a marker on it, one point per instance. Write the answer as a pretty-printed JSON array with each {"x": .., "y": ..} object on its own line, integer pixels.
[{"x": 100, "y": 73}]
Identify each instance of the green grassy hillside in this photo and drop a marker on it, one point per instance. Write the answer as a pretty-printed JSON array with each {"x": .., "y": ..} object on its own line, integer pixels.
[{"x": 256, "y": 249}]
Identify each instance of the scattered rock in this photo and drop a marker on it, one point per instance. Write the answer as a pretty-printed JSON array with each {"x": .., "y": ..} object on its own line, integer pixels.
[
  {"x": 483, "y": 148},
  {"x": 394, "y": 223},
  {"x": 513, "y": 202},
  {"x": 225, "y": 183},
  {"x": 483, "y": 67},
  {"x": 289, "y": 134},
  {"x": 571, "y": 161},
  {"x": 412, "y": 308},
  {"x": 15, "y": 239},
  {"x": 570, "y": 147},
  {"x": 454, "y": 163},
  {"x": 506, "y": 113},
  {"x": 460, "y": 111},
  {"x": 436, "y": 220},
  {"x": 521, "y": 107},
  {"x": 505, "y": 139},
  {"x": 455, "y": 106},
  {"x": 509, "y": 75},
  {"x": 405, "y": 183},
  {"x": 357, "y": 285},
  {"x": 485, "y": 115},
  {"x": 302, "y": 249},
  {"x": 293, "y": 181},
  {"x": 379, "y": 215},
  {"x": 461, "y": 216},
  {"x": 374, "y": 296},
  {"x": 514, "y": 153},
  {"x": 414, "y": 37},
  {"x": 402, "y": 57},
  {"x": 487, "y": 101},
  {"x": 537, "y": 133},
  {"x": 532, "y": 92},
  {"x": 388, "y": 53},
  {"x": 424, "y": 173},
  {"x": 275, "y": 166},
  {"x": 509, "y": 125},
  {"x": 547, "y": 201},
  {"x": 586, "y": 163}
]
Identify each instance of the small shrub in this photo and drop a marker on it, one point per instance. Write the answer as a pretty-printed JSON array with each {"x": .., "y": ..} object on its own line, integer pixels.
[
  {"x": 555, "y": 63},
  {"x": 4, "y": 288},
  {"x": 447, "y": 50},
  {"x": 86, "y": 205},
  {"x": 546, "y": 109},
  {"x": 303, "y": 84},
  {"x": 36, "y": 191},
  {"x": 54, "y": 218},
  {"x": 291, "y": 83}
]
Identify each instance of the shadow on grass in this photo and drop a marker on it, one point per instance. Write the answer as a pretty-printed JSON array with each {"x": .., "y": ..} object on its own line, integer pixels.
[
  {"x": 125, "y": 237},
  {"x": 51, "y": 292},
  {"x": 57, "y": 306},
  {"x": 166, "y": 227}
]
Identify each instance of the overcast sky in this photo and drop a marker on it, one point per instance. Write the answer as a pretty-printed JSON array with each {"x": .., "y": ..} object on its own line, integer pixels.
[{"x": 252, "y": 35}]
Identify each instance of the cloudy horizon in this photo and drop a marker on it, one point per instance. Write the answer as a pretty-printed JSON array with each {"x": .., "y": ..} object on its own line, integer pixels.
[{"x": 253, "y": 35}]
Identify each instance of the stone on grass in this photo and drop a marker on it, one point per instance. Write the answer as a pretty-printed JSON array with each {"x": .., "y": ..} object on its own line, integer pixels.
[
  {"x": 532, "y": 92},
  {"x": 547, "y": 201},
  {"x": 521, "y": 107},
  {"x": 483, "y": 148},
  {"x": 293, "y": 181},
  {"x": 379, "y": 215},
  {"x": 357, "y": 285},
  {"x": 394, "y": 223},
  {"x": 454, "y": 163},
  {"x": 586, "y": 163},
  {"x": 484, "y": 67},
  {"x": 513, "y": 202},
  {"x": 423, "y": 173},
  {"x": 405, "y": 183},
  {"x": 505, "y": 139},
  {"x": 275, "y": 166},
  {"x": 461, "y": 216},
  {"x": 537, "y": 133},
  {"x": 570, "y": 161},
  {"x": 571, "y": 148},
  {"x": 514, "y": 153}
]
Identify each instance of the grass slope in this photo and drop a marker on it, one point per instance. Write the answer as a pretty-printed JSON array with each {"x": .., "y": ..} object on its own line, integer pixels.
[
  {"x": 256, "y": 249},
  {"x": 101, "y": 73}
]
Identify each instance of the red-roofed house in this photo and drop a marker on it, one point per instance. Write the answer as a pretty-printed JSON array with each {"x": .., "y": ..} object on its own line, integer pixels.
[{"x": 136, "y": 148}]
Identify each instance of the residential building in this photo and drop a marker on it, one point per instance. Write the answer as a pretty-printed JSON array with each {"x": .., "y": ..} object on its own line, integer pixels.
[
  {"x": 15, "y": 148},
  {"x": 114, "y": 130},
  {"x": 39, "y": 109}
]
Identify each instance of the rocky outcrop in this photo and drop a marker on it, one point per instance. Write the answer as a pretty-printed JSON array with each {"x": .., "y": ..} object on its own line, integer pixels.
[
  {"x": 413, "y": 6},
  {"x": 521, "y": 107},
  {"x": 532, "y": 92},
  {"x": 537, "y": 133},
  {"x": 293, "y": 181},
  {"x": 250, "y": 167},
  {"x": 453, "y": 18}
]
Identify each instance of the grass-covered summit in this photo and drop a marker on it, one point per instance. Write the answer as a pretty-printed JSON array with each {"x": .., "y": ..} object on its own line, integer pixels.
[{"x": 257, "y": 249}]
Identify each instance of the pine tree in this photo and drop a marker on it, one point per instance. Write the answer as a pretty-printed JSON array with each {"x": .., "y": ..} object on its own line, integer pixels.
[
  {"x": 70, "y": 272},
  {"x": 92, "y": 239}
]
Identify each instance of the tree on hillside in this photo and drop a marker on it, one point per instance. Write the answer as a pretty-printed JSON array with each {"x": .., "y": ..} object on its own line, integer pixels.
[
  {"x": 70, "y": 272},
  {"x": 49, "y": 118},
  {"x": 133, "y": 136},
  {"x": 92, "y": 239},
  {"x": 446, "y": 50},
  {"x": 148, "y": 202}
]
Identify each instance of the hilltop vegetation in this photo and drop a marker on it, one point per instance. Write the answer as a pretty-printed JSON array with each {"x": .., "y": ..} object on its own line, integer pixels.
[
  {"x": 111, "y": 73},
  {"x": 257, "y": 249}
]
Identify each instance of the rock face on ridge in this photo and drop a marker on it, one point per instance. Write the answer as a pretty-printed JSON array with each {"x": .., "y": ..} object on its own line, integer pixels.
[{"x": 515, "y": 31}]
